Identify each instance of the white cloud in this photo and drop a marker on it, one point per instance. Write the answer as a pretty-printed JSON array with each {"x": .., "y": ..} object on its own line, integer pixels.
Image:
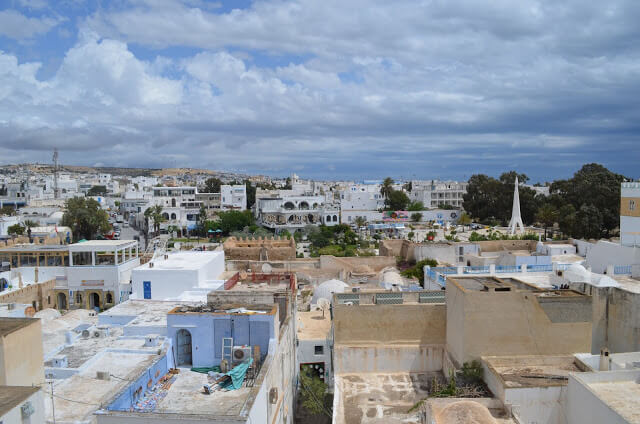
[{"x": 14, "y": 24}]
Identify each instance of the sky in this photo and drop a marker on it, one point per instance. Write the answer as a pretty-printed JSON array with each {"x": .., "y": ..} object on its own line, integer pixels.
[{"x": 326, "y": 89}]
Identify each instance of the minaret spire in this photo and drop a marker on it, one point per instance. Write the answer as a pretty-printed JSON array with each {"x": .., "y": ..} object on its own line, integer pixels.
[{"x": 516, "y": 219}]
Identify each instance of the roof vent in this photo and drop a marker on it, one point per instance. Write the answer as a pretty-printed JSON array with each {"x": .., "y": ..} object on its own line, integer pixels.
[
  {"x": 85, "y": 334},
  {"x": 150, "y": 264},
  {"x": 103, "y": 375}
]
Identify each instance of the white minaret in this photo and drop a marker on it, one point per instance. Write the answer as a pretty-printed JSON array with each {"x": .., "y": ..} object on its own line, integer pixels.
[{"x": 516, "y": 219}]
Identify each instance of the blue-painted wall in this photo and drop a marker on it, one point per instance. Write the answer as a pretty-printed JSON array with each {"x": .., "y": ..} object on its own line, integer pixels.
[
  {"x": 208, "y": 330},
  {"x": 127, "y": 398}
]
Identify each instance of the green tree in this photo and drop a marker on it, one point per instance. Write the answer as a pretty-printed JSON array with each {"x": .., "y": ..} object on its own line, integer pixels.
[
  {"x": 416, "y": 217},
  {"x": 313, "y": 393},
  {"x": 212, "y": 185},
  {"x": 7, "y": 210},
  {"x": 547, "y": 215},
  {"x": 464, "y": 220},
  {"x": 408, "y": 186},
  {"x": 397, "y": 201},
  {"x": 97, "y": 190},
  {"x": 387, "y": 187},
  {"x": 415, "y": 206},
  {"x": 85, "y": 217},
  {"x": 15, "y": 230},
  {"x": 28, "y": 223},
  {"x": 229, "y": 221},
  {"x": 201, "y": 221},
  {"x": 154, "y": 213},
  {"x": 592, "y": 185},
  {"x": 567, "y": 219},
  {"x": 360, "y": 221}
]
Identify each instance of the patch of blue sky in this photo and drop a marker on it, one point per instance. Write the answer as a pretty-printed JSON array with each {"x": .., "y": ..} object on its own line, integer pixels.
[{"x": 351, "y": 77}]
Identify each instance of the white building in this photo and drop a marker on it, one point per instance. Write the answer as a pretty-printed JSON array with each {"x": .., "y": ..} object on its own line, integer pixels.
[
  {"x": 233, "y": 197},
  {"x": 95, "y": 273},
  {"x": 21, "y": 405},
  {"x": 179, "y": 276},
  {"x": 8, "y": 221},
  {"x": 283, "y": 209},
  {"x": 630, "y": 214},
  {"x": 434, "y": 193}
]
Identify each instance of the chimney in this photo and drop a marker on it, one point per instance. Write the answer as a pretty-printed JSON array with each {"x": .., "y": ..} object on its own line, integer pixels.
[{"x": 605, "y": 360}]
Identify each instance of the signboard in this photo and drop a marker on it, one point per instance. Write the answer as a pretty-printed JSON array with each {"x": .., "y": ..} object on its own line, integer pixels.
[
  {"x": 92, "y": 283},
  {"x": 395, "y": 216}
]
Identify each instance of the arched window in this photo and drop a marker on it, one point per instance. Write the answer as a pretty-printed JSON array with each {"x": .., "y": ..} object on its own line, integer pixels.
[
  {"x": 165, "y": 215},
  {"x": 289, "y": 206},
  {"x": 109, "y": 297},
  {"x": 335, "y": 218},
  {"x": 173, "y": 203},
  {"x": 173, "y": 216},
  {"x": 303, "y": 206}
]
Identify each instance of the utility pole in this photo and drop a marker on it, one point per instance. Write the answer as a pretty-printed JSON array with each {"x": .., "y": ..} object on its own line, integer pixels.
[{"x": 53, "y": 406}]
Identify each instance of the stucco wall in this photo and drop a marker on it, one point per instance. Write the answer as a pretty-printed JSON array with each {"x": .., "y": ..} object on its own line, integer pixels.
[
  {"x": 15, "y": 415},
  {"x": 620, "y": 329},
  {"x": 21, "y": 356},
  {"x": 584, "y": 406},
  {"x": 413, "y": 358},
  {"x": 605, "y": 253},
  {"x": 388, "y": 324},
  {"x": 510, "y": 323}
]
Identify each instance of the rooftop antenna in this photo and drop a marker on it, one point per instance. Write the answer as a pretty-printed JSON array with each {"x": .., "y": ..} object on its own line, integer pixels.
[
  {"x": 516, "y": 219},
  {"x": 56, "y": 193}
]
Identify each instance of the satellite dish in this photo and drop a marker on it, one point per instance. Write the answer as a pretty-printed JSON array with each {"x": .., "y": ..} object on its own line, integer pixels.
[{"x": 266, "y": 268}]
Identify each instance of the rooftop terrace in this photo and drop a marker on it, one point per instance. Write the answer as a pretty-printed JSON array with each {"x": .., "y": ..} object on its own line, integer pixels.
[{"x": 532, "y": 371}]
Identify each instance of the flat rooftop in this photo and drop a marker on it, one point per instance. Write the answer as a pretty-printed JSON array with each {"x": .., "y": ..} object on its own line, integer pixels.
[
  {"x": 78, "y": 397},
  {"x": 387, "y": 398},
  {"x": 313, "y": 325},
  {"x": 619, "y": 390},
  {"x": 12, "y": 396},
  {"x": 141, "y": 312},
  {"x": 28, "y": 248},
  {"x": 107, "y": 245},
  {"x": 627, "y": 283},
  {"x": 234, "y": 308},
  {"x": 183, "y": 260},
  {"x": 532, "y": 371},
  {"x": 9, "y": 325},
  {"x": 55, "y": 327}
]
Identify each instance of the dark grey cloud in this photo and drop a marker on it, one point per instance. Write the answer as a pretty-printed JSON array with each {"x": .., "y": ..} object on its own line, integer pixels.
[{"x": 414, "y": 89}]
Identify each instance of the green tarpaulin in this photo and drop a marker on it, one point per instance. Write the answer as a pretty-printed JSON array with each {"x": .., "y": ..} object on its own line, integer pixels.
[{"x": 237, "y": 376}]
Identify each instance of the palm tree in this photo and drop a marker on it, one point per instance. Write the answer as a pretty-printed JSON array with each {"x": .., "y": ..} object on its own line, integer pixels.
[
  {"x": 360, "y": 221},
  {"x": 387, "y": 187},
  {"x": 155, "y": 214},
  {"x": 546, "y": 215}
]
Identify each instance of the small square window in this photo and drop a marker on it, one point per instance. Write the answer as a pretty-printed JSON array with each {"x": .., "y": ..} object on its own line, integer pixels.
[{"x": 319, "y": 350}]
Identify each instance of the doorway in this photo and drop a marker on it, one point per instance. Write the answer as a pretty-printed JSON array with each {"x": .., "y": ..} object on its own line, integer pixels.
[
  {"x": 184, "y": 347},
  {"x": 62, "y": 301},
  {"x": 94, "y": 300}
]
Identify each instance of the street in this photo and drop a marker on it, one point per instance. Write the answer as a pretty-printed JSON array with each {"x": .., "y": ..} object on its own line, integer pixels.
[{"x": 127, "y": 233}]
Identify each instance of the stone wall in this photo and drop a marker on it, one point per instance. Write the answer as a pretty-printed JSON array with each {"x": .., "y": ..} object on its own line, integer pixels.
[
  {"x": 260, "y": 249},
  {"x": 40, "y": 293}
]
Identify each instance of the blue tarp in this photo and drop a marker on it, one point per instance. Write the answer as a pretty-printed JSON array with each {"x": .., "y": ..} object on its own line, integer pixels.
[{"x": 237, "y": 376}]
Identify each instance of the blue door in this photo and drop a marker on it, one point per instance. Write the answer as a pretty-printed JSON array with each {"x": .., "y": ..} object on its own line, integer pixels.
[{"x": 146, "y": 287}]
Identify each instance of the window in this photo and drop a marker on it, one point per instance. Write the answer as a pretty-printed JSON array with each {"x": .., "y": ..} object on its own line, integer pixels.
[
  {"x": 632, "y": 205},
  {"x": 78, "y": 297},
  {"x": 319, "y": 350}
]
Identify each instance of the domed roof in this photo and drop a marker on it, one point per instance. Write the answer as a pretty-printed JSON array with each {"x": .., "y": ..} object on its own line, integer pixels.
[
  {"x": 327, "y": 289},
  {"x": 465, "y": 412},
  {"x": 577, "y": 273}
]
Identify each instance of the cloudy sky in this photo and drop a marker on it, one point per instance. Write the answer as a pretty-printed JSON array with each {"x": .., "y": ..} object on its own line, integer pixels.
[{"x": 333, "y": 89}]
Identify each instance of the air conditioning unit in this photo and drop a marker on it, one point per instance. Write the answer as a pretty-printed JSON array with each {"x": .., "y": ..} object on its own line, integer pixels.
[
  {"x": 99, "y": 333},
  {"x": 240, "y": 354},
  {"x": 103, "y": 375}
]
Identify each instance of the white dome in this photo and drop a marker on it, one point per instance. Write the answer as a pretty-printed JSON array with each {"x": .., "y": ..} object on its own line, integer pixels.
[
  {"x": 392, "y": 276},
  {"x": 577, "y": 274},
  {"x": 327, "y": 289},
  {"x": 605, "y": 281}
]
